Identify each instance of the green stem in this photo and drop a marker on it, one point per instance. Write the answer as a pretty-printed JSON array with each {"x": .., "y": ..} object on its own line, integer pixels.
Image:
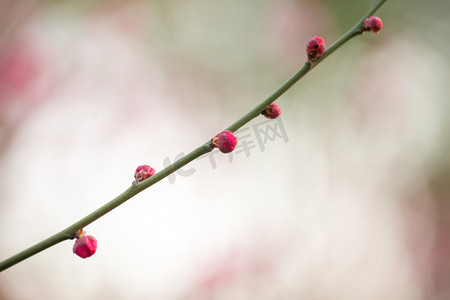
[
  {"x": 354, "y": 31},
  {"x": 69, "y": 232},
  {"x": 133, "y": 190},
  {"x": 275, "y": 95}
]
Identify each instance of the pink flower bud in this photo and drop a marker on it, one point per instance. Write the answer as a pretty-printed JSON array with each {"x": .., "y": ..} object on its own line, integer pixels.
[
  {"x": 143, "y": 172},
  {"x": 225, "y": 141},
  {"x": 315, "y": 48},
  {"x": 373, "y": 24},
  {"x": 272, "y": 111},
  {"x": 85, "y": 246}
]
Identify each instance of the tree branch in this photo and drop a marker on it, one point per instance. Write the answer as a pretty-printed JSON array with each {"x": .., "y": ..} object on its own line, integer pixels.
[{"x": 135, "y": 188}]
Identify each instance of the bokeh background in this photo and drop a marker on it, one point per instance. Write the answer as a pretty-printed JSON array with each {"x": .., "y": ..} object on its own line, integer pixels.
[{"x": 351, "y": 201}]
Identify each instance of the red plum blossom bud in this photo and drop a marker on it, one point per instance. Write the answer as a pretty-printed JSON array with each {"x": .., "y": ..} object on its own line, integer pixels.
[
  {"x": 85, "y": 245},
  {"x": 272, "y": 111},
  {"x": 143, "y": 172},
  {"x": 225, "y": 141},
  {"x": 373, "y": 24},
  {"x": 315, "y": 48}
]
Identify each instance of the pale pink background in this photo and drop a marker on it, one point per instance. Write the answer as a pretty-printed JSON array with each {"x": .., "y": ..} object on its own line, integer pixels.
[{"x": 351, "y": 207}]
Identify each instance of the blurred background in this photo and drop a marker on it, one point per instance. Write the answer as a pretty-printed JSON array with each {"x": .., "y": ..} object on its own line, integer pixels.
[{"x": 345, "y": 196}]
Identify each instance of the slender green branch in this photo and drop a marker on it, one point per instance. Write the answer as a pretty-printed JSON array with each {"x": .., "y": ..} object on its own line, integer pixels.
[
  {"x": 275, "y": 95},
  {"x": 135, "y": 188},
  {"x": 354, "y": 31}
]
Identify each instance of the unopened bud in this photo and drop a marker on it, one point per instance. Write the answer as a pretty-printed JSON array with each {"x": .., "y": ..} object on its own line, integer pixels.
[
  {"x": 85, "y": 245},
  {"x": 373, "y": 24},
  {"x": 315, "y": 48},
  {"x": 225, "y": 141},
  {"x": 143, "y": 172},
  {"x": 272, "y": 111}
]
